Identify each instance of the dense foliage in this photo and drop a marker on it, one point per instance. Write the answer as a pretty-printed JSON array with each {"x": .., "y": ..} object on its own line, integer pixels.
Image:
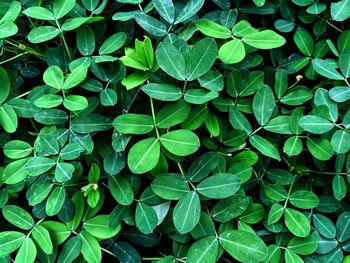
[{"x": 186, "y": 131}]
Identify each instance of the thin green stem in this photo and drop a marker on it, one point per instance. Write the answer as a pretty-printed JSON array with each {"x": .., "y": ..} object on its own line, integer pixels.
[
  {"x": 181, "y": 169},
  {"x": 108, "y": 252},
  {"x": 347, "y": 82},
  {"x": 64, "y": 40},
  {"x": 184, "y": 87},
  {"x": 287, "y": 199},
  {"x": 258, "y": 129},
  {"x": 17, "y": 56},
  {"x": 154, "y": 118},
  {"x": 22, "y": 95}
]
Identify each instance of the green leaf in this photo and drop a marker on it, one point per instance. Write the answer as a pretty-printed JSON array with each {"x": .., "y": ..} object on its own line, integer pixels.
[
  {"x": 85, "y": 40},
  {"x": 341, "y": 141},
  {"x": 70, "y": 251},
  {"x": 55, "y": 201},
  {"x": 238, "y": 120},
  {"x": 343, "y": 227},
  {"x": 263, "y": 105},
  {"x": 8, "y": 29},
  {"x": 339, "y": 187},
  {"x": 170, "y": 186},
  {"x": 321, "y": 149},
  {"x": 42, "y": 237},
  {"x": 39, "y": 165},
  {"x": 164, "y": 92},
  {"x": 296, "y": 97},
  {"x": 90, "y": 248},
  {"x": 62, "y": 7},
  {"x": 144, "y": 155},
  {"x": 121, "y": 190},
  {"x": 112, "y": 43},
  {"x": 296, "y": 222},
  {"x": 344, "y": 59},
  {"x": 173, "y": 114},
  {"x": 266, "y": 39},
  {"x": 232, "y": 52},
  {"x": 5, "y": 85},
  {"x": 27, "y": 252},
  {"x": 151, "y": 25},
  {"x": 171, "y": 60},
  {"x": 293, "y": 146},
  {"x": 200, "y": 96},
  {"x": 10, "y": 241},
  {"x": 190, "y": 9},
  {"x": 166, "y": 9},
  {"x": 39, "y": 12},
  {"x": 304, "y": 41},
  {"x": 75, "y": 103},
  {"x": 108, "y": 97},
  {"x": 326, "y": 69},
  {"x": 15, "y": 172},
  {"x": 114, "y": 162},
  {"x": 324, "y": 225},
  {"x": 265, "y": 147},
  {"x": 204, "y": 250},
  {"x": 180, "y": 142},
  {"x": 135, "y": 79},
  {"x": 90, "y": 123},
  {"x": 340, "y": 93},
  {"x": 203, "y": 166},
  {"x": 243, "y": 246},
  {"x": 8, "y": 118},
  {"x": 340, "y": 11},
  {"x": 75, "y": 77},
  {"x": 219, "y": 186},
  {"x": 42, "y": 33},
  {"x": 73, "y": 23},
  {"x": 292, "y": 257},
  {"x": 212, "y": 80},
  {"x": 146, "y": 218},
  {"x": 187, "y": 212},
  {"x": 98, "y": 227},
  {"x": 48, "y": 101},
  {"x": 212, "y": 29},
  {"x": 200, "y": 58},
  {"x": 304, "y": 199},
  {"x": 17, "y": 149},
  {"x": 64, "y": 172},
  {"x": 132, "y": 123},
  {"x": 18, "y": 217},
  {"x": 315, "y": 124}
]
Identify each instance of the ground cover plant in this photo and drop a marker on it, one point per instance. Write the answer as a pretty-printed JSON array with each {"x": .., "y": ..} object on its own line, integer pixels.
[{"x": 174, "y": 131}]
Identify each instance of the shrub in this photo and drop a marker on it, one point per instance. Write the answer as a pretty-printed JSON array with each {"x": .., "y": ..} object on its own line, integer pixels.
[{"x": 185, "y": 131}]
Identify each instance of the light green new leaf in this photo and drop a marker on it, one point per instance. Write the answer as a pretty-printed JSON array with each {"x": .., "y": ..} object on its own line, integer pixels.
[
  {"x": 18, "y": 217},
  {"x": 55, "y": 201},
  {"x": 62, "y": 7},
  {"x": 180, "y": 142},
  {"x": 212, "y": 29},
  {"x": 340, "y": 11},
  {"x": 27, "y": 251},
  {"x": 265, "y": 147},
  {"x": 10, "y": 241},
  {"x": 8, "y": 29},
  {"x": 204, "y": 250},
  {"x": 243, "y": 246},
  {"x": 320, "y": 148},
  {"x": 39, "y": 12},
  {"x": 53, "y": 76},
  {"x": 42, "y": 33},
  {"x": 266, "y": 39},
  {"x": 263, "y": 105},
  {"x": 187, "y": 212},
  {"x": 166, "y": 9},
  {"x": 144, "y": 155},
  {"x": 70, "y": 250},
  {"x": 121, "y": 190},
  {"x": 132, "y": 123},
  {"x": 304, "y": 41},
  {"x": 112, "y": 43},
  {"x": 232, "y": 52},
  {"x": 315, "y": 124},
  {"x": 200, "y": 58},
  {"x": 296, "y": 222},
  {"x": 75, "y": 103},
  {"x": 190, "y": 9},
  {"x": 164, "y": 92},
  {"x": 48, "y": 101},
  {"x": 146, "y": 218},
  {"x": 326, "y": 69},
  {"x": 171, "y": 60},
  {"x": 219, "y": 185},
  {"x": 8, "y": 118},
  {"x": 77, "y": 76},
  {"x": 151, "y": 25},
  {"x": 5, "y": 85},
  {"x": 90, "y": 249}
]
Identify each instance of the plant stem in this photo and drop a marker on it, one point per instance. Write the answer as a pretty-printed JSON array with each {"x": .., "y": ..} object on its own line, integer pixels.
[
  {"x": 154, "y": 118},
  {"x": 108, "y": 252},
  {"x": 289, "y": 191},
  {"x": 17, "y": 56},
  {"x": 184, "y": 87},
  {"x": 64, "y": 40}
]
